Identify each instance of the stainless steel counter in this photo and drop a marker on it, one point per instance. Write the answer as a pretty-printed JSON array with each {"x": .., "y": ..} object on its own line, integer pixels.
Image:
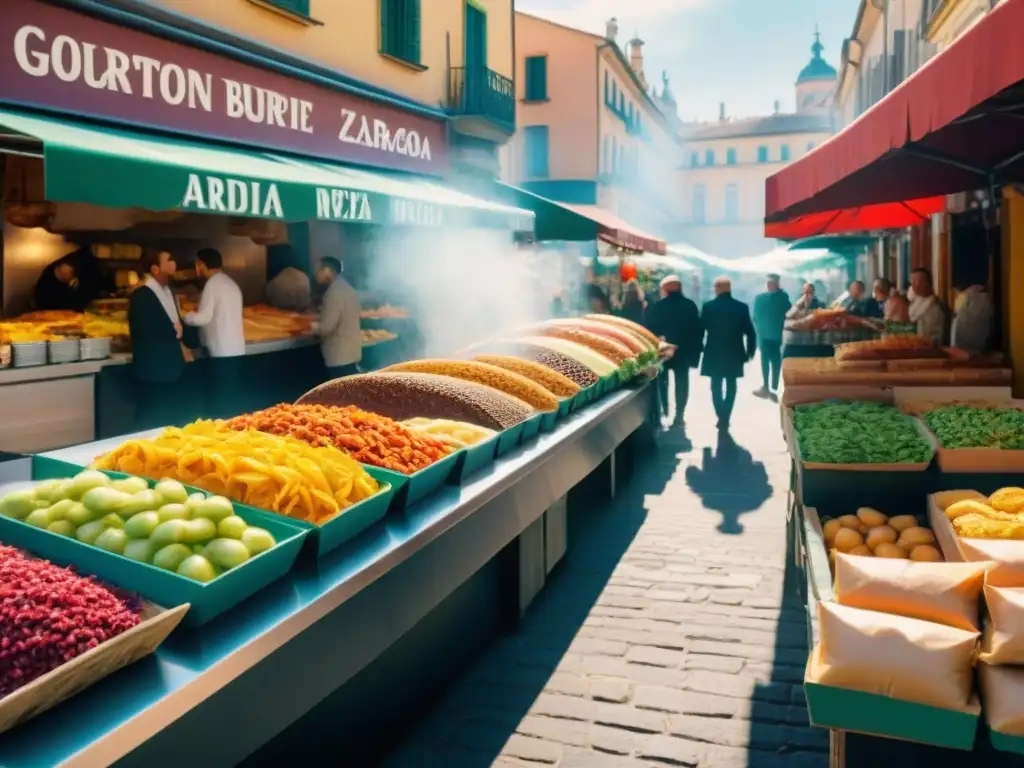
[
  {"x": 54, "y": 405},
  {"x": 307, "y": 632}
]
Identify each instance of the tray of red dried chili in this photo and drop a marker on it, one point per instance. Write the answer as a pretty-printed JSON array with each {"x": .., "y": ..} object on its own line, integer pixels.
[
  {"x": 414, "y": 464},
  {"x": 62, "y": 632},
  {"x": 367, "y": 437}
]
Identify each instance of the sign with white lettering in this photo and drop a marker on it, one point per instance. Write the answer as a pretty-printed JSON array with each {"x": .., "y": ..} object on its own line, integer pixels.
[
  {"x": 58, "y": 59},
  {"x": 213, "y": 194}
]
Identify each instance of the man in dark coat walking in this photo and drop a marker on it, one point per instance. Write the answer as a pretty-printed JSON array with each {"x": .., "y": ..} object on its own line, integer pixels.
[
  {"x": 729, "y": 344},
  {"x": 675, "y": 319}
]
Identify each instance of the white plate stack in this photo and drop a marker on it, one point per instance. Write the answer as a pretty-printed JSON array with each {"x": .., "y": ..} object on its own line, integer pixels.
[
  {"x": 29, "y": 354},
  {"x": 65, "y": 351},
  {"x": 95, "y": 349}
]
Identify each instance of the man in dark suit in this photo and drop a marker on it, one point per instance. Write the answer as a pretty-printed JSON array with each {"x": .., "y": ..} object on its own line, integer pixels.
[
  {"x": 160, "y": 345},
  {"x": 729, "y": 344},
  {"x": 675, "y": 319}
]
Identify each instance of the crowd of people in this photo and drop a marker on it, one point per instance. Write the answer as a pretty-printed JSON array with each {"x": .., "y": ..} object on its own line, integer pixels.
[
  {"x": 164, "y": 340},
  {"x": 724, "y": 334},
  {"x": 719, "y": 338}
]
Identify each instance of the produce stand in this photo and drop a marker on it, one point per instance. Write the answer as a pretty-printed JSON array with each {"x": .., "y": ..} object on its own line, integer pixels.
[
  {"x": 863, "y": 727},
  {"x": 353, "y": 641}
]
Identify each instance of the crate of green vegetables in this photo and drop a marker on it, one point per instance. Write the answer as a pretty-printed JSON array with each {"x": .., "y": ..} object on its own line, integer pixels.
[
  {"x": 977, "y": 439},
  {"x": 858, "y": 436}
]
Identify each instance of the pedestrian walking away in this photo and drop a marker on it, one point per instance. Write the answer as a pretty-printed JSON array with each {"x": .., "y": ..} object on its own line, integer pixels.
[
  {"x": 675, "y": 319},
  {"x": 729, "y": 343},
  {"x": 770, "y": 310}
]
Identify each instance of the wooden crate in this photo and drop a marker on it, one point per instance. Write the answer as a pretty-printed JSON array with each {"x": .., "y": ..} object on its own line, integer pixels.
[{"x": 92, "y": 666}]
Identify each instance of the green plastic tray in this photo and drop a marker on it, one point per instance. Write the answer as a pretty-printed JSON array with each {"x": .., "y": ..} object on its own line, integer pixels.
[
  {"x": 549, "y": 421},
  {"x": 351, "y": 522},
  {"x": 1006, "y": 743},
  {"x": 408, "y": 489},
  {"x": 587, "y": 396},
  {"x": 510, "y": 438},
  {"x": 564, "y": 407},
  {"x": 845, "y": 710},
  {"x": 159, "y": 586},
  {"x": 531, "y": 427},
  {"x": 322, "y": 538},
  {"x": 474, "y": 459}
]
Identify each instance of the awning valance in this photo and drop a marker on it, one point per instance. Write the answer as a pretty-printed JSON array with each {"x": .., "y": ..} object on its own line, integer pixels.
[
  {"x": 954, "y": 125},
  {"x": 88, "y": 163},
  {"x": 867, "y": 218},
  {"x": 614, "y": 230}
]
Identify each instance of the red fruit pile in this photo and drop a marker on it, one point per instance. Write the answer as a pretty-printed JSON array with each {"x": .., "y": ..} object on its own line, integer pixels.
[{"x": 49, "y": 615}]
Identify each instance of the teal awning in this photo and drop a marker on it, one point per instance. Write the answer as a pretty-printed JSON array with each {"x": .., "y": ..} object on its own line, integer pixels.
[
  {"x": 554, "y": 221},
  {"x": 115, "y": 168}
]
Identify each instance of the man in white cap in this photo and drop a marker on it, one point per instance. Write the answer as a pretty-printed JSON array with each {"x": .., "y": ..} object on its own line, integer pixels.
[
  {"x": 675, "y": 319},
  {"x": 730, "y": 342}
]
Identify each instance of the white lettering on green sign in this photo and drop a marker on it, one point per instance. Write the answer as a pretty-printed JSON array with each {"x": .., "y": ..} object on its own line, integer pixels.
[
  {"x": 342, "y": 205},
  {"x": 213, "y": 194},
  {"x": 416, "y": 213}
]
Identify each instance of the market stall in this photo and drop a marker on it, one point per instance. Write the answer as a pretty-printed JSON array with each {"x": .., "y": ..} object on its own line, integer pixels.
[
  {"x": 940, "y": 133},
  {"x": 436, "y": 487},
  {"x": 870, "y": 446},
  {"x": 95, "y": 179}
]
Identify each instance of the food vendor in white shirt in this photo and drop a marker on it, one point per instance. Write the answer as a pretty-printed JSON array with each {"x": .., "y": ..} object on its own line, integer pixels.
[{"x": 219, "y": 319}]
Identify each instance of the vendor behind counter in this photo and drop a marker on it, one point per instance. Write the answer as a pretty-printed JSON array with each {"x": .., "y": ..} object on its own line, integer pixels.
[{"x": 70, "y": 283}]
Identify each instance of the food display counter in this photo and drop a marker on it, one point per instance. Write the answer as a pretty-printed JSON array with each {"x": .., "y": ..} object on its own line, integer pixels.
[
  {"x": 443, "y": 568},
  {"x": 875, "y": 544},
  {"x": 333, "y": 559}
]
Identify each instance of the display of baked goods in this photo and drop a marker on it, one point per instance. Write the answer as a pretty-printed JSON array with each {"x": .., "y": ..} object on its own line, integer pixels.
[
  {"x": 57, "y": 325},
  {"x": 830, "y": 320},
  {"x": 373, "y": 336},
  {"x": 385, "y": 312},
  {"x": 889, "y": 348}
]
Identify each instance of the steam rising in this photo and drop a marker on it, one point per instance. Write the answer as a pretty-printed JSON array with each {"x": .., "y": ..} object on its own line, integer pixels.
[{"x": 462, "y": 286}]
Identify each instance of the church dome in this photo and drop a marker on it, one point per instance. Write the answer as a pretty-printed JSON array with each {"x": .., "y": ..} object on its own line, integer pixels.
[{"x": 818, "y": 68}]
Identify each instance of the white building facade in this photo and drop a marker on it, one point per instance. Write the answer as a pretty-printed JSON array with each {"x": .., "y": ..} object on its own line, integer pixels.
[{"x": 726, "y": 164}]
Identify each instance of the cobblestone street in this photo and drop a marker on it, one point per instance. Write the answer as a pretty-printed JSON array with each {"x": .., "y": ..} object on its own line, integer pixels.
[{"x": 665, "y": 637}]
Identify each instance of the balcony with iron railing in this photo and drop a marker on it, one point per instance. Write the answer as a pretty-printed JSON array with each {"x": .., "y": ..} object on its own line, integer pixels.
[{"x": 482, "y": 103}]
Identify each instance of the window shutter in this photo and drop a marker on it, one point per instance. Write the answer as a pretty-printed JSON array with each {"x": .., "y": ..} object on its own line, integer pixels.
[
  {"x": 386, "y": 21},
  {"x": 537, "y": 151},
  {"x": 412, "y": 31},
  {"x": 536, "y": 78},
  {"x": 295, "y": 6}
]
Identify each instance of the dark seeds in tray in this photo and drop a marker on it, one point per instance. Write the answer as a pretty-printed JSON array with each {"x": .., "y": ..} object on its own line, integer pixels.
[{"x": 409, "y": 395}]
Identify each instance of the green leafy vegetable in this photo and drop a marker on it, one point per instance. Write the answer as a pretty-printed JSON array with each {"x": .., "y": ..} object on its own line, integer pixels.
[
  {"x": 858, "y": 433},
  {"x": 961, "y": 426}
]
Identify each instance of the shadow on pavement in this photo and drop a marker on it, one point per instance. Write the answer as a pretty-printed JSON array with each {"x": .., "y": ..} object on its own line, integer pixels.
[
  {"x": 474, "y": 719},
  {"x": 729, "y": 481}
]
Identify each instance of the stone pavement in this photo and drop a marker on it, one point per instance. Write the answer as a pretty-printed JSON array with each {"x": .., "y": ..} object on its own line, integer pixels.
[{"x": 667, "y": 637}]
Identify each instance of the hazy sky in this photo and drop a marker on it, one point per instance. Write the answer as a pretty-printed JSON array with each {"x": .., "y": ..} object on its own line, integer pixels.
[{"x": 746, "y": 53}]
